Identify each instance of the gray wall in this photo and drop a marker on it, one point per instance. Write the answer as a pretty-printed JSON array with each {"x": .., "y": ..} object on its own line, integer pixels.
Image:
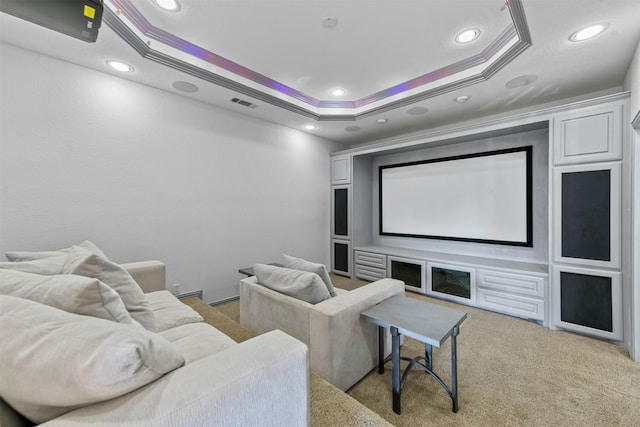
[{"x": 146, "y": 174}]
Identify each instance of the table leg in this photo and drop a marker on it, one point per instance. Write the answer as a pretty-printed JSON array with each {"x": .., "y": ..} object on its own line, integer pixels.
[
  {"x": 381, "y": 334},
  {"x": 428, "y": 355},
  {"x": 454, "y": 369},
  {"x": 395, "y": 360}
]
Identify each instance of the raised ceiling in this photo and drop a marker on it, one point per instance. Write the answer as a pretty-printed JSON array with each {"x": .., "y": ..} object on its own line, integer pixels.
[{"x": 397, "y": 61}]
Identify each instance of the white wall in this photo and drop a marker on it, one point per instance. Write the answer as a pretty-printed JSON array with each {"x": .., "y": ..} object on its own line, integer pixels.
[
  {"x": 632, "y": 83},
  {"x": 146, "y": 174}
]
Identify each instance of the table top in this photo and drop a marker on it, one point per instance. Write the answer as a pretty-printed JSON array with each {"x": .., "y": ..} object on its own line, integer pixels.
[
  {"x": 424, "y": 321},
  {"x": 248, "y": 271}
]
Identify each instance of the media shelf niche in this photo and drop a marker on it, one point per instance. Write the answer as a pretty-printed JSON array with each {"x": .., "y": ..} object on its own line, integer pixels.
[{"x": 510, "y": 287}]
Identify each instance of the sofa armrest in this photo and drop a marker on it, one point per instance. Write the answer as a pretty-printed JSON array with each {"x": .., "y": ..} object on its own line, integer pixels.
[
  {"x": 343, "y": 345},
  {"x": 263, "y": 381},
  {"x": 150, "y": 275},
  {"x": 263, "y": 309}
]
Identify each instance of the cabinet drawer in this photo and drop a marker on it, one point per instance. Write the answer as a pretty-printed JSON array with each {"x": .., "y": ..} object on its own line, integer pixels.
[
  {"x": 515, "y": 305},
  {"x": 370, "y": 273},
  {"x": 371, "y": 259},
  {"x": 511, "y": 283}
]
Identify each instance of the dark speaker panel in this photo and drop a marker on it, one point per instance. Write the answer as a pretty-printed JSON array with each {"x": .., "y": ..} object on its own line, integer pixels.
[
  {"x": 341, "y": 212},
  {"x": 586, "y": 300},
  {"x": 341, "y": 256},
  {"x": 586, "y": 215}
]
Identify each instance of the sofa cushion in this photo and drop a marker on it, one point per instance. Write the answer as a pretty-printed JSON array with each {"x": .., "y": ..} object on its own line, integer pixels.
[
  {"x": 68, "y": 292},
  {"x": 298, "y": 284},
  {"x": 312, "y": 267},
  {"x": 30, "y": 256},
  {"x": 195, "y": 341},
  {"x": 83, "y": 262},
  {"x": 170, "y": 312},
  {"x": 48, "y": 266},
  {"x": 53, "y": 361}
]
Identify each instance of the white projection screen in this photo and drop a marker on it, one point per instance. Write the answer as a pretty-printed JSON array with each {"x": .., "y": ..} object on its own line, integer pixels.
[{"x": 484, "y": 197}]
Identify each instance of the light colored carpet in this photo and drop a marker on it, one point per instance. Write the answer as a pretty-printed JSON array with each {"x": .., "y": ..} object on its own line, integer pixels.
[
  {"x": 511, "y": 372},
  {"x": 330, "y": 407}
]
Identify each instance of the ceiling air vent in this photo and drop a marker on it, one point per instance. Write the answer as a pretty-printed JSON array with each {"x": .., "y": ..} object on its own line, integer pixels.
[{"x": 244, "y": 103}]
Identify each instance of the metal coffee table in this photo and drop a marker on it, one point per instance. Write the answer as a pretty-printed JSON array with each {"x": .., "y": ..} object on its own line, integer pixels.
[{"x": 430, "y": 323}]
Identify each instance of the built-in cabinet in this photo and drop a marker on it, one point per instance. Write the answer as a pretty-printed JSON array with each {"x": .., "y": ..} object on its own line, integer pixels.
[
  {"x": 510, "y": 287},
  {"x": 587, "y": 221},
  {"x": 580, "y": 284},
  {"x": 341, "y": 216}
]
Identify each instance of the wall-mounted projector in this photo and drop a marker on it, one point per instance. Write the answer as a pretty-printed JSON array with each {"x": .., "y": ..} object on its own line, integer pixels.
[{"x": 76, "y": 18}]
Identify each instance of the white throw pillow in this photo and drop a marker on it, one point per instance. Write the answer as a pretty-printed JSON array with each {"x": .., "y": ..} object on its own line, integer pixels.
[
  {"x": 68, "y": 292},
  {"x": 298, "y": 284},
  {"x": 82, "y": 262},
  {"x": 53, "y": 361},
  {"x": 47, "y": 266},
  {"x": 312, "y": 267},
  {"x": 30, "y": 256}
]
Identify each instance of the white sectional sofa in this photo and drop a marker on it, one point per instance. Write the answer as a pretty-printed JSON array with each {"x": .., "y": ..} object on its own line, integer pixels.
[
  {"x": 343, "y": 347},
  {"x": 263, "y": 381}
]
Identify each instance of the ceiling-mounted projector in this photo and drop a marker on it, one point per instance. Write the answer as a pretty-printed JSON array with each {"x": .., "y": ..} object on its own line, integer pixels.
[{"x": 76, "y": 18}]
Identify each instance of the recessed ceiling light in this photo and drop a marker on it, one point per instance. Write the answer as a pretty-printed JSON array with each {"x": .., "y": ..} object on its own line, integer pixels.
[
  {"x": 462, "y": 99},
  {"x": 588, "y": 32},
  {"x": 310, "y": 127},
  {"x": 168, "y": 5},
  {"x": 467, "y": 35},
  {"x": 337, "y": 91},
  {"x": 120, "y": 66},
  {"x": 382, "y": 121}
]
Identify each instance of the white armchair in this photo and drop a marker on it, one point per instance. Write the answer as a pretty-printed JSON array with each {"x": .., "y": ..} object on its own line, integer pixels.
[{"x": 342, "y": 346}]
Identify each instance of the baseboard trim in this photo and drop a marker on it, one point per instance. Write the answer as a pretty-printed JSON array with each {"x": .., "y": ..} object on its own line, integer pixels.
[
  {"x": 224, "y": 301},
  {"x": 191, "y": 294}
]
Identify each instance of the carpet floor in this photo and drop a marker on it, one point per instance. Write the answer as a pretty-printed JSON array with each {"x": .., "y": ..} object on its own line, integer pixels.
[{"x": 511, "y": 372}]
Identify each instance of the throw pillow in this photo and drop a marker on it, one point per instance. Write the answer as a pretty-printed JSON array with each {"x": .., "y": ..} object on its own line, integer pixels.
[
  {"x": 68, "y": 292},
  {"x": 46, "y": 266},
  {"x": 30, "y": 256},
  {"x": 298, "y": 284},
  {"x": 82, "y": 262},
  {"x": 312, "y": 267},
  {"x": 54, "y": 361}
]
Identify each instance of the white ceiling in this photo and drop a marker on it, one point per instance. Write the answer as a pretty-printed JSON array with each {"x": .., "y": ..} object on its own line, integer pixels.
[{"x": 280, "y": 56}]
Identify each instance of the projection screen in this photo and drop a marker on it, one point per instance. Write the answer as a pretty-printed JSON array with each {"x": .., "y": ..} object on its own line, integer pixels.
[{"x": 482, "y": 197}]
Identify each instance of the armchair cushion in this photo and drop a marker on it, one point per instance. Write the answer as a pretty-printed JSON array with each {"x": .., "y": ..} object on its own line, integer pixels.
[
  {"x": 83, "y": 262},
  {"x": 312, "y": 267},
  {"x": 170, "y": 312},
  {"x": 30, "y": 256},
  {"x": 47, "y": 266},
  {"x": 53, "y": 361},
  {"x": 68, "y": 292},
  {"x": 298, "y": 284}
]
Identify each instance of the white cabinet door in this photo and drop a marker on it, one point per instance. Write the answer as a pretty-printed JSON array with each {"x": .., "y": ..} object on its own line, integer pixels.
[
  {"x": 340, "y": 170},
  {"x": 592, "y": 134}
]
